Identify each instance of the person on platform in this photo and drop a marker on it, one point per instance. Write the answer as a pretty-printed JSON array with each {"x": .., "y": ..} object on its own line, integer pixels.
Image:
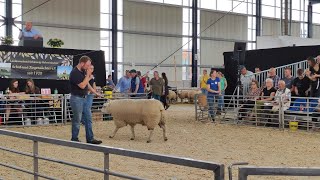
[
  {"x": 213, "y": 88},
  {"x": 136, "y": 84},
  {"x": 313, "y": 73},
  {"x": 28, "y": 31},
  {"x": 124, "y": 83},
  {"x": 246, "y": 78},
  {"x": 156, "y": 85},
  {"x": 288, "y": 78},
  {"x": 203, "y": 81},
  {"x": 79, "y": 87},
  {"x": 110, "y": 82},
  {"x": 273, "y": 75}
]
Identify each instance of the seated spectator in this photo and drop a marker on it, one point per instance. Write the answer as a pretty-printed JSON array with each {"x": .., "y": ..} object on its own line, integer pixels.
[
  {"x": 13, "y": 105},
  {"x": 273, "y": 75},
  {"x": 109, "y": 82},
  {"x": 288, "y": 79},
  {"x": 31, "y": 88},
  {"x": 267, "y": 95},
  {"x": 283, "y": 95},
  {"x": 249, "y": 101},
  {"x": 301, "y": 85}
]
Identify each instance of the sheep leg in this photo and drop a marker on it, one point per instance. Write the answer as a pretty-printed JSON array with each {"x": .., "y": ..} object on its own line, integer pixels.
[
  {"x": 114, "y": 132},
  {"x": 150, "y": 136},
  {"x": 164, "y": 132},
  {"x": 132, "y": 131}
]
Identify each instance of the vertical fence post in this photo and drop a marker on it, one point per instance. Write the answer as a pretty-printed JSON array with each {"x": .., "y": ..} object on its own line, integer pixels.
[
  {"x": 195, "y": 105},
  {"x": 65, "y": 109},
  {"x": 106, "y": 166},
  {"x": 219, "y": 173},
  {"x": 35, "y": 160}
]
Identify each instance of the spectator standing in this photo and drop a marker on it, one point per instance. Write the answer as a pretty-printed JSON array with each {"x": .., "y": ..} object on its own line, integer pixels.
[
  {"x": 136, "y": 84},
  {"x": 124, "y": 83},
  {"x": 223, "y": 87},
  {"x": 213, "y": 88},
  {"x": 156, "y": 86},
  {"x": 79, "y": 87},
  {"x": 246, "y": 78},
  {"x": 288, "y": 79},
  {"x": 143, "y": 79},
  {"x": 275, "y": 78},
  {"x": 109, "y": 82},
  {"x": 301, "y": 85},
  {"x": 166, "y": 91},
  {"x": 314, "y": 75},
  {"x": 203, "y": 81}
]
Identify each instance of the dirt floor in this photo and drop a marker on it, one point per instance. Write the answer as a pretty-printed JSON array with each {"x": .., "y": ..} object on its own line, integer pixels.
[{"x": 187, "y": 138}]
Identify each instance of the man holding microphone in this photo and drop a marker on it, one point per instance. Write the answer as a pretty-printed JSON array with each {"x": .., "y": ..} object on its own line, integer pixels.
[{"x": 79, "y": 87}]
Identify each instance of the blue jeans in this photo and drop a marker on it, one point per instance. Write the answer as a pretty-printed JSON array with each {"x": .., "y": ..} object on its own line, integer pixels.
[
  {"x": 221, "y": 101},
  {"x": 89, "y": 105},
  {"x": 155, "y": 96},
  {"x": 210, "y": 101},
  {"x": 204, "y": 91},
  {"x": 80, "y": 108}
]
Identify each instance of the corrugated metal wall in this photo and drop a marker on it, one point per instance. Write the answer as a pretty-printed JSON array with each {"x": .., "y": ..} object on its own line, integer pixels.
[
  {"x": 231, "y": 27},
  {"x": 67, "y": 12},
  {"x": 141, "y": 48}
]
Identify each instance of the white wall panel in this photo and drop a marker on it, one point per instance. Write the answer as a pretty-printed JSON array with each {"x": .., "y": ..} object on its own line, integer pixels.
[
  {"x": 212, "y": 52},
  {"x": 67, "y": 12},
  {"x": 229, "y": 27},
  {"x": 271, "y": 27},
  {"x": 152, "y": 49},
  {"x": 316, "y": 31},
  {"x": 234, "y": 27},
  {"x": 152, "y": 18}
]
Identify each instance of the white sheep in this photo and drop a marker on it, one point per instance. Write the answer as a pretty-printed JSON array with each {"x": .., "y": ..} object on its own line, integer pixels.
[
  {"x": 191, "y": 95},
  {"x": 172, "y": 96},
  {"x": 148, "y": 112},
  {"x": 182, "y": 95}
]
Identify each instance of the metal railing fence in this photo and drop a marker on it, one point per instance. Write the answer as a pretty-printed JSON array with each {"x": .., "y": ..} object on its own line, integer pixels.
[
  {"x": 298, "y": 112},
  {"x": 32, "y": 110},
  {"x": 263, "y": 75},
  {"x": 246, "y": 171},
  {"x": 216, "y": 168}
]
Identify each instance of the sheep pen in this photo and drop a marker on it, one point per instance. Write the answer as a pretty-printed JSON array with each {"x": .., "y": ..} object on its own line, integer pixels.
[{"x": 187, "y": 138}]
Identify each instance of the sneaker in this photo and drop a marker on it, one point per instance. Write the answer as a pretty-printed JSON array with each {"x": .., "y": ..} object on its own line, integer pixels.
[
  {"x": 167, "y": 107},
  {"x": 94, "y": 141},
  {"x": 75, "y": 140}
]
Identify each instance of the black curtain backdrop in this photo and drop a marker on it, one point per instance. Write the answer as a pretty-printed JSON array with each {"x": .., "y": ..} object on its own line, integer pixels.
[
  {"x": 97, "y": 57},
  {"x": 265, "y": 59}
]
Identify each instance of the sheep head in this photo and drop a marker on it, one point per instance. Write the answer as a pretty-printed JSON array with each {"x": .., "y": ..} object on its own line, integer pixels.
[{"x": 106, "y": 106}]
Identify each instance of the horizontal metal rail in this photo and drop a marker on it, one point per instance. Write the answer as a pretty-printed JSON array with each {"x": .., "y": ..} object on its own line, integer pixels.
[
  {"x": 244, "y": 172},
  {"x": 218, "y": 169},
  {"x": 25, "y": 171}
]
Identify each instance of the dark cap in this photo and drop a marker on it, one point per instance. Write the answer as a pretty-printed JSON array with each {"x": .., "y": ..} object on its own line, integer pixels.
[
  {"x": 133, "y": 71},
  {"x": 241, "y": 67}
]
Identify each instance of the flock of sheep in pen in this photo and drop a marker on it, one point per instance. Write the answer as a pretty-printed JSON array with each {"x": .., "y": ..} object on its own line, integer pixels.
[{"x": 147, "y": 112}]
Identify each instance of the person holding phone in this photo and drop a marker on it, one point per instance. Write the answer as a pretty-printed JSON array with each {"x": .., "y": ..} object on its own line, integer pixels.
[{"x": 80, "y": 77}]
